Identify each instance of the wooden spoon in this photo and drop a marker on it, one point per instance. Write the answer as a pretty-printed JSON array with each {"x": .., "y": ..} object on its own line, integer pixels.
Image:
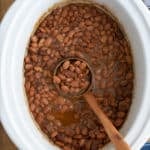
[{"x": 110, "y": 129}]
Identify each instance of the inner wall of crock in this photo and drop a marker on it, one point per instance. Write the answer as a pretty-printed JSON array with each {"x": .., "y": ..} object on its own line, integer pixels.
[{"x": 130, "y": 28}]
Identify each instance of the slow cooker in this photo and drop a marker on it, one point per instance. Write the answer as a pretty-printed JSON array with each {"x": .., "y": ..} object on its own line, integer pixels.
[{"x": 15, "y": 31}]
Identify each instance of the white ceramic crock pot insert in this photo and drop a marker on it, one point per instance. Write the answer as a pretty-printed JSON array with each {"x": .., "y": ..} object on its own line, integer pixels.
[{"x": 15, "y": 31}]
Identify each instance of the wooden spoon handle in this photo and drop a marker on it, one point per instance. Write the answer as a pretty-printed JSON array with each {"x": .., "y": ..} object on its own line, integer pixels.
[{"x": 112, "y": 132}]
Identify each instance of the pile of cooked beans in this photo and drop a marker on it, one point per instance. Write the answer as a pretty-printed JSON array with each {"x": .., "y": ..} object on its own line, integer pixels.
[
  {"x": 87, "y": 32},
  {"x": 72, "y": 77}
]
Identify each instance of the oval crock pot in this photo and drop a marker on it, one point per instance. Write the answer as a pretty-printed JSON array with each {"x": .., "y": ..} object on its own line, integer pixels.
[{"x": 15, "y": 31}]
